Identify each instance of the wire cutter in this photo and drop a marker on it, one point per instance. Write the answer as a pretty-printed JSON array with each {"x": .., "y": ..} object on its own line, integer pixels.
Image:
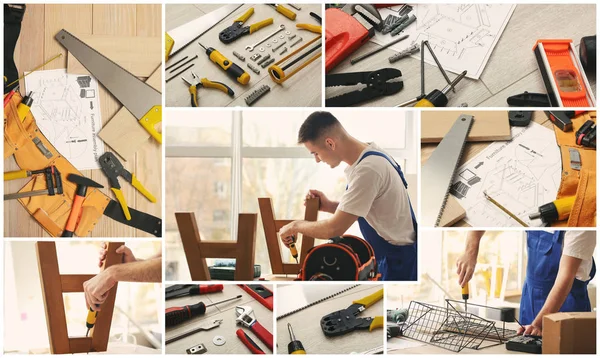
[
  {"x": 112, "y": 168},
  {"x": 236, "y": 30},
  {"x": 204, "y": 82},
  {"x": 346, "y": 320},
  {"x": 377, "y": 85}
]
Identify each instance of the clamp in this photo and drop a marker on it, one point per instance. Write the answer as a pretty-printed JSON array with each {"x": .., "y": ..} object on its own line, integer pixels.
[
  {"x": 345, "y": 321},
  {"x": 376, "y": 82},
  {"x": 245, "y": 317},
  {"x": 113, "y": 169},
  {"x": 204, "y": 82},
  {"x": 586, "y": 135},
  {"x": 236, "y": 30}
]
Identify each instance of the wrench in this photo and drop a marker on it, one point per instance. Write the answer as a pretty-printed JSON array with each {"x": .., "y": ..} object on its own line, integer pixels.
[{"x": 251, "y": 48}]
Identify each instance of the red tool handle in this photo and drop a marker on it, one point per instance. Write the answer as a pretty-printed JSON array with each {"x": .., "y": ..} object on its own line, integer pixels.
[
  {"x": 73, "y": 216},
  {"x": 177, "y": 315},
  {"x": 248, "y": 342},
  {"x": 263, "y": 334},
  {"x": 202, "y": 289},
  {"x": 343, "y": 35}
]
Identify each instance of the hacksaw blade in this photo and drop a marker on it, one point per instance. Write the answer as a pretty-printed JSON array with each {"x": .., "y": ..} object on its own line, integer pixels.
[
  {"x": 438, "y": 171},
  {"x": 317, "y": 301}
]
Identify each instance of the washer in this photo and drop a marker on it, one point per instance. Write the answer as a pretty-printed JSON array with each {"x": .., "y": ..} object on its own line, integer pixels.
[
  {"x": 219, "y": 340},
  {"x": 282, "y": 36},
  {"x": 262, "y": 49},
  {"x": 275, "y": 41},
  {"x": 268, "y": 45},
  {"x": 287, "y": 33}
]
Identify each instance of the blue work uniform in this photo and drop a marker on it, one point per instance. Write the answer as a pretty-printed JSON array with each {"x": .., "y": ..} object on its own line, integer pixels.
[
  {"x": 395, "y": 263},
  {"x": 544, "y": 251}
]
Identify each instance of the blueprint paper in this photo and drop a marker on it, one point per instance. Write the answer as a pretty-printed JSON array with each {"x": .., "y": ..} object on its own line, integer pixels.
[
  {"x": 462, "y": 36},
  {"x": 520, "y": 174},
  {"x": 67, "y": 110}
]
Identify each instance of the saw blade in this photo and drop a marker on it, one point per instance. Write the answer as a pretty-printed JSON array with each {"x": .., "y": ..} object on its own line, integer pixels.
[
  {"x": 316, "y": 302},
  {"x": 190, "y": 31},
  {"x": 437, "y": 173},
  {"x": 134, "y": 94}
]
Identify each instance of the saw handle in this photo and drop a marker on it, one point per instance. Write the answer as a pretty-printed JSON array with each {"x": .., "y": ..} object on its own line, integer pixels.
[
  {"x": 150, "y": 120},
  {"x": 370, "y": 299},
  {"x": 248, "y": 342},
  {"x": 263, "y": 334},
  {"x": 169, "y": 43}
]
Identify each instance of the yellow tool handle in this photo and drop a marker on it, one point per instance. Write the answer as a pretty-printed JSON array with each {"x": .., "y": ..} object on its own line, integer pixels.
[
  {"x": 424, "y": 103},
  {"x": 310, "y": 27},
  {"x": 260, "y": 25},
  {"x": 90, "y": 321},
  {"x": 17, "y": 174},
  {"x": 194, "y": 95},
  {"x": 465, "y": 291},
  {"x": 293, "y": 249},
  {"x": 22, "y": 110},
  {"x": 150, "y": 119},
  {"x": 370, "y": 299},
  {"x": 229, "y": 67},
  {"x": 285, "y": 12},
  {"x": 122, "y": 201},
  {"x": 300, "y": 351},
  {"x": 169, "y": 43},
  {"x": 138, "y": 185},
  {"x": 217, "y": 85},
  {"x": 564, "y": 207},
  {"x": 377, "y": 323},
  {"x": 245, "y": 15}
]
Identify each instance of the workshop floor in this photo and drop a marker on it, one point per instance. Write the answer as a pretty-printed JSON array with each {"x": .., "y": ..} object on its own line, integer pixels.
[
  {"x": 302, "y": 90},
  {"x": 511, "y": 69},
  {"x": 36, "y": 45},
  {"x": 226, "y": 312},
  {"x": 306, "y": 324}
]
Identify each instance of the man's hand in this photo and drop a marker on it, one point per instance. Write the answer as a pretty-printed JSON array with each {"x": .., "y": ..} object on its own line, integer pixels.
[
  {"x": 96, "y": 289},
  {"x": 127, "y": 254},
  {"x": 465, "y": 266},
  {"x": 286, "y": 233},
  {"x": 530, "y": 330},
  {"x": 325, "y": 204}
]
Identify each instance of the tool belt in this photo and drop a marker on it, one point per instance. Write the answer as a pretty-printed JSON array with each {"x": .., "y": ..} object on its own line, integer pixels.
[
  {"x": 579, "y": 183},
  {"x": 345, "y": 258},
  {"x": 32, "y": 151}
]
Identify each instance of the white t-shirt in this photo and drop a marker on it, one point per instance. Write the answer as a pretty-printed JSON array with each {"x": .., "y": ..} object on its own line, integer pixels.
[
  {"x": 376, "y": 193},
  {"x": 581, "y": 245}
]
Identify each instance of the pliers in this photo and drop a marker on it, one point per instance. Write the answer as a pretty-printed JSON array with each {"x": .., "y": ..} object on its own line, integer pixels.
[
  {"x": 204, "y": 82},
  {"x": 236, "y": 30},
  {"x": 377, "y": 85},
  {"x": 345, "y": 321},
  {"x": 112, "y": 168}
]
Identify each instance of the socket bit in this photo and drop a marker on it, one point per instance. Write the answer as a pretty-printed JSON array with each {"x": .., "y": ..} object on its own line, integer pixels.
[{"x": 253, "y": 68}]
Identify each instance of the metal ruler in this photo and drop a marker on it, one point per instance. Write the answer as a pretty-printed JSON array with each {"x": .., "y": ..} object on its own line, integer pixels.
[{"x": 438, "y": 171}]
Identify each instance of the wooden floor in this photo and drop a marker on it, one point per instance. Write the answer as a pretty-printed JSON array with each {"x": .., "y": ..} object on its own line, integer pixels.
[
  {"x": 301, "y": 90},
  {"x": 226, "y": 312},
  {"x": 511, "y": 70},
  {"x": 307, "y": 329},
  {"x": 36, "y": 44}
]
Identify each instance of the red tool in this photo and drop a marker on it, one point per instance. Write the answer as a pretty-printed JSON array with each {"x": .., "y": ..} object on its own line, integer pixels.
[
  {"x": 191, "y": 290},
  {"x": 347, "y": 29},
  {"x": 177, "y": 315},
  {"x": 9, "y": 95},
  {"x": 261, "y": 294},
  {"x": 245, "y": 316},
  {"x": 248, "y": 342}
]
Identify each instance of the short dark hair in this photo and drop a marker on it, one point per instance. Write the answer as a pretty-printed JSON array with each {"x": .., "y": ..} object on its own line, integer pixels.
[{"x": 316, "y": 125}]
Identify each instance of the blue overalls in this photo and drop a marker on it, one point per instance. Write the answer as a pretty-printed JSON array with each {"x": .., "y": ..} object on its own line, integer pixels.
[
  {"x": 544, "y": 251},
  {"x": 395, "y": 263}
]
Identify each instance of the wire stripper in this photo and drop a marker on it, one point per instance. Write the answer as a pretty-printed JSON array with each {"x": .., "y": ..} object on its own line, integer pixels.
[
  {"x": 345, "y": 321},
  {"x": 204, "y": 82},
  {"x": 236, "y": 30}
]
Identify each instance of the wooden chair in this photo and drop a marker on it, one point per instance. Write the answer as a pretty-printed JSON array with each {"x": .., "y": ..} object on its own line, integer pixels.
[
  {"x": 54, "y": 285},
  {"x": 272, "y": 226},
  {"x": 198, "y": 250}
]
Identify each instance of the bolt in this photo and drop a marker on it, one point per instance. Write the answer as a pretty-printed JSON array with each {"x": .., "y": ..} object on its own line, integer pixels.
[
  {"x": 284, "y": 51},
  {"x": 279, "y": 46},
  {"x": 253, "y": 68},
  {"x": 296, "y": 42},
  {"x": 292, "y": 37}
]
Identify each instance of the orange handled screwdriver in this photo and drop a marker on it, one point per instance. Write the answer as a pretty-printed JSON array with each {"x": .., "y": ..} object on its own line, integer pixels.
[{"x": 177, "y": 315}]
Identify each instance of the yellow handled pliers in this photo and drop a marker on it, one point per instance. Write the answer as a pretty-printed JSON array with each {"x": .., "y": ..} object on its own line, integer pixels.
[
  {"x": 236, "y": 30},
  {"x": 204, "y": 82},
  {"x": 346, "y": 320},
  {"x": 113, "y": 169}
]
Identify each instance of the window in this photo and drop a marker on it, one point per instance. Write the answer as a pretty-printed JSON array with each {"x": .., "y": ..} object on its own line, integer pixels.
[{"x": 244, "y": 155}]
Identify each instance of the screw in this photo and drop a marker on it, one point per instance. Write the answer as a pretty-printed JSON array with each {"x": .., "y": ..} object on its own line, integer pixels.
[
  {"x": 280, "y": 46},
  {"x": 292, "y": 37},
  {"x": 253, "y": 68},
  {"x": 296, "y": 42},
  {"x": 284, "y": 51}
]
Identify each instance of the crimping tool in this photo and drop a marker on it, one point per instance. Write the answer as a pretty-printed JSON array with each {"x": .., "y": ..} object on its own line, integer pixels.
[
  {"x": 346, "y": 320},
  {"x": 376, "y": 82},
  {"x": 204, "y": 82},
  {"x": 236, "y": 30},
  {"x": 113, "y": 169}
]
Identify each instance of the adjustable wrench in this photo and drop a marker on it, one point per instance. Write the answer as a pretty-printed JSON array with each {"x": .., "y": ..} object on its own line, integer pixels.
[
  {"x": 245, "y": 317},
  {"x": 251, "y": 48}
]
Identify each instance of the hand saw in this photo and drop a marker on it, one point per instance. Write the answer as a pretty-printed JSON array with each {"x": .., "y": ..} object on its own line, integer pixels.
[
  {"x": 179, "y": 37},
  {"x": 143, "y": 101},
  {"x": 438, "y": 171}
]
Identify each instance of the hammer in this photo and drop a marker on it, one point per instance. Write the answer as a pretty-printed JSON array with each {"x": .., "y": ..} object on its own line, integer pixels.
[{"x": 82, "y": 184}]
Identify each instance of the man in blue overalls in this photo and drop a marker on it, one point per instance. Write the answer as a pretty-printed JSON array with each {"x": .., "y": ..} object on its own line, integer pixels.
[
  {"x": 559, "y": 267},
  {"x": 376, "y": 195}
]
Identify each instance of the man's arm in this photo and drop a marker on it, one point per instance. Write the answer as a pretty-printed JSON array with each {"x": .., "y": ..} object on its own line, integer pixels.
[
  {"x": 336, "y": 225},
  {"x": 465, "y": 265},
  {"x": 567, "y": 270}
]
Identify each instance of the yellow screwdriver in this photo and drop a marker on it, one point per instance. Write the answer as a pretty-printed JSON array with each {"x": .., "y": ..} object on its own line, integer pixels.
[
  {"x": 233, "y": 70},
  {"x": 437, "y": 98},
  {"x": 24, "y": 107},
  {"x": 556, "y": 210},
  {"x": 465, "y": 294},
  {"x": 90, "y": 321},
  {"x": 293, "y": 249}
]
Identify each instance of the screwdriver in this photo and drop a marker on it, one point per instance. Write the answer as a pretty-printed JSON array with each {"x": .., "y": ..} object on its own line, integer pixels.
[
  {"x": 465, "y": 294},
  {"x": 437, "y": 98},
  {"x": 284, "y": 11},
  {"x": 25, "y": 106},
  {"x": 90, "y": 321},
  {"x": 295, "y": 346},
  {"x": 197, "y": 290},
  {"x": 559, "y": 209},
  {"x": 233, "y": 70},
  {"x": 293, "y": 249},
  {"x": 177, "y": 315}
]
